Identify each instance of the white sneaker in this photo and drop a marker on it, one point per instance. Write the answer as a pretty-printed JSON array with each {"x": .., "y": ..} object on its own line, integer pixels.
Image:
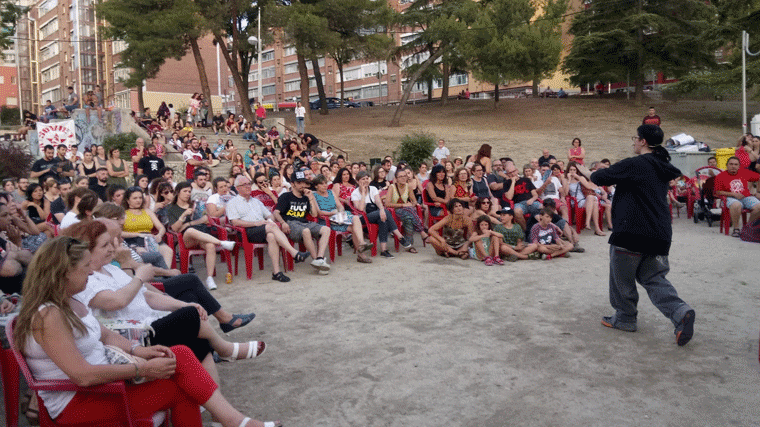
[
  {"x": 320, "y": 264},
  {"x": 228, "y": 245},
  {"x": 210, "y": 284}
]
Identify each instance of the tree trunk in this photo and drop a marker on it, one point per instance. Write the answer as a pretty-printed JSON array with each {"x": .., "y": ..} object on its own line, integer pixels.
[
  {"x": 140, "y": 101},
  {"x": 396, "y": 120},
  {"x": 304, "y": 73},
  {"x": 639, "y": 59},
  {"x": 445, "y": 88},
  {"x": 320, "y": 86},
  {"x": 239, "y": 86},
  {"x": 342, "y": 88},
  {"x": 430, "y": 89},
  {"x": 495, "y": 95},
  {"x": 205, "y": 88},
  {"x": 534, "y": 88}
]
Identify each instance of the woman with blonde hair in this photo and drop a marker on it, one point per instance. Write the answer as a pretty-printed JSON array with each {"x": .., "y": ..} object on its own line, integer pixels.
[{"x": 61, "y": 339}]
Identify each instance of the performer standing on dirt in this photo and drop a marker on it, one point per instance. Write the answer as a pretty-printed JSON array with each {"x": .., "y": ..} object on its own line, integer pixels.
[{"x": 640, "y": 241}]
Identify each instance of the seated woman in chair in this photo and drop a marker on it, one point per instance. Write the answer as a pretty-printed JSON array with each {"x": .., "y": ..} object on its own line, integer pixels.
[
  {"x": 583, "y": 190},
  {"x": 367, "y": 199},
  {"x": 139, "y": 225},
  {"x": 400, "y": 197},
  {"x": 61, "y": 339},
  {"x": 328, "y": 207},
  {"x": 184, "y": 219}
]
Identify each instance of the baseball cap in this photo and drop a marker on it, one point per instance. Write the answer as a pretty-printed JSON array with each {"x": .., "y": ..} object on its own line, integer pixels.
[
  {"x": 269, "y": 142},
  {"x": 506, "y": 211},
  {"x": 298, "y": 177},
  {"x": 241, "y": 180}
]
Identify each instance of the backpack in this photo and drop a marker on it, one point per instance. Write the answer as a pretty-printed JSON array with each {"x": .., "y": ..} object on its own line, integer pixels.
[{"x": 751, "y": 232}]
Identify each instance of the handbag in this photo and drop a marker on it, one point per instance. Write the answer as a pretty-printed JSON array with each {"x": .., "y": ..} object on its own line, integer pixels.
[{"x": 117, "y": 356}]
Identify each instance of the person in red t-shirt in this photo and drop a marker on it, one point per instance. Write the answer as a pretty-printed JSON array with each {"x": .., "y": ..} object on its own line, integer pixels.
[
  {"x": 733, "y": 184},
  {"x": 651, "y": 118},
  {"x": 138, "y": 153}
]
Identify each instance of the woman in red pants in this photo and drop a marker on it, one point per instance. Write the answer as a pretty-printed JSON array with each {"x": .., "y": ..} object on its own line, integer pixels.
[{"x": 61, "y": 339}]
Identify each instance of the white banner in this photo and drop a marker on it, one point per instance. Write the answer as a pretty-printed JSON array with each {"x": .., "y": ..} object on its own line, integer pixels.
[{"x": 55, "y": 134}]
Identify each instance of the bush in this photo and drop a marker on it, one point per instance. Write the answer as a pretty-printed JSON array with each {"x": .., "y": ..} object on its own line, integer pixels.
[
  {"x": 9, "y": 116},
  {"x": 415, "y": 148},
  {"x": 123, "y": 141},
  {"x": 15, "y": 161}
]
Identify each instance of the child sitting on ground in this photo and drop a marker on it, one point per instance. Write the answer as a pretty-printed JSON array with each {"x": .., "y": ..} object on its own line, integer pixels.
[
  {"x": 486, "y": 242},
  {"x": 513, "y": 246},
  {"x": 547, "y": 236},
  {"x": 567, "y": 230}
]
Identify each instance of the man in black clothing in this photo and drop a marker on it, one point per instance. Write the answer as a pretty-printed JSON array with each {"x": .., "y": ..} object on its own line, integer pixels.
[
  {"x": 310, "y": 141},
  {"x": 58, "y": 206},
  {"x": 64, "y": 168},
  {"x": 151, "y": 164},
  {"x": 545, "y": 158},
  {"x": 101, "y": 186},
  {"x": 45, "y": 167},
  {"x": 640, "y": 242}
]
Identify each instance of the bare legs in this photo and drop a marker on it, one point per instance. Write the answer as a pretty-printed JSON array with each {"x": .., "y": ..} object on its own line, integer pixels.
[{"x": 194, "y": 238}]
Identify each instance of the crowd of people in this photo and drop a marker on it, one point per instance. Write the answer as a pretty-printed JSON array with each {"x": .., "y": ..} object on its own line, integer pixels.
[{"x": 104, "y": 243}]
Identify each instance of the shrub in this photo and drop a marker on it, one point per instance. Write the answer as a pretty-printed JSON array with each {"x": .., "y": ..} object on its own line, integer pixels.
[
  {"x": 123, "y": 141},
  {"x": 15, "y": 161},
  {"x": 9, "y": 116},
  {"x": 415, "y": 148}
]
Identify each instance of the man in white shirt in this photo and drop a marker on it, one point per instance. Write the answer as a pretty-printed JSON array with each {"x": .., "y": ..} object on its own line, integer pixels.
[
  {"x": 327, "y": 154},
  {"x": 193, "y": 158},
  {"x": 441, "y": 152},
  {"x": 249, "y": 213},
  {"x": 300, "y": 114}
]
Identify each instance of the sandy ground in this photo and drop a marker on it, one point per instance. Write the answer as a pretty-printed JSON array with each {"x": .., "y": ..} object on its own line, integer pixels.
[
  {"x": 421, "y": 340},
  {"x": 425, "y": 341}
]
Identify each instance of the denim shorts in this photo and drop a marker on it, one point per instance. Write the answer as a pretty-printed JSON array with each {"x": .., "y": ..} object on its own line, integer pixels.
[
  {"x": 748, "y": 202},
  {"x": 532, "y": 209}
]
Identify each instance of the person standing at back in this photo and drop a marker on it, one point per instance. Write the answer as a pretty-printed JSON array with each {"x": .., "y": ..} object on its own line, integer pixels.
[
  {"x": 300, "y": 117},
  {"x": 640, "y": 242},
  {"x": 652, "y": 118}
]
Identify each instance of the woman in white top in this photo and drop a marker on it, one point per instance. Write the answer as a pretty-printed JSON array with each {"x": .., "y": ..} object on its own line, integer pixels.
[
  {"x": 61, "y": 339},
  {"x": 367, "y": 199},
  {"x": 300, "y": 114},
  {"x": 82, "y": 202}
]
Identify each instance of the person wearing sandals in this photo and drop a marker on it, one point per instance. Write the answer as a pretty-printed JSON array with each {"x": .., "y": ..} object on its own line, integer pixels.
[
  {"x": 642, "y": 232},
  {"x": 62, "y": 340},
  {"x": 486, "y": 242},
  {"x": 450, "y": 235},
  {"x": 328, "y": 207},
  {"x": 733, "y": 184},
  {"x": 120, "y": 296},
  {"x": 367, "y": 199},
  {"x": 249, "y": 213},
  {"x": 401, "y": 198}
]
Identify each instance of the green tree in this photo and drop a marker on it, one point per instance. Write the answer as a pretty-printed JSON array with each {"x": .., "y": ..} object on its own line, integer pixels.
[
  {"x": 9, "y": 14},
  {"x": 154, "y": 31},
  {"x": 440, "y": 24},
  {"x": 615, "y": 39}
]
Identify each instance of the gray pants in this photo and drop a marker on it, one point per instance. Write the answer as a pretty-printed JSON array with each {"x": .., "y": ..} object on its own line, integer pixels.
[{"x": 626, "y": 268}]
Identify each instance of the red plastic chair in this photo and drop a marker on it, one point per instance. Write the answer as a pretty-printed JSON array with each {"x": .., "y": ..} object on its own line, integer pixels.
[
  {"x": 186, "y": 253},
  {"x": 432, "y": 219},
  {"x": 249, "y": 250},
  {"x": 116, "y": 387},
  {"x": 336, "y": 238},
  {"x": 578, "y": 214},
  {"x": 372, "y": 229}
]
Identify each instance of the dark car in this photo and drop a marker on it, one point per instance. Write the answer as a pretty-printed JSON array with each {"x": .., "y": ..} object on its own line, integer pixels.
[{"x": 333, "y": 103}]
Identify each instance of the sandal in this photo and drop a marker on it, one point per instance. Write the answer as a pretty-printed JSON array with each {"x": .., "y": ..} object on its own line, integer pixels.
[
  {"x": 260, "y": 347},
  {"x": 280, "y": 277},
  {"x": 301, "y": 256},
  {"x": 498, "y": 261},
  {"x": 244, "y": 423},
  {"x": 412, "y": 250},
  {"x": 488, "y": 261},
  {"x": 736, "y": 233},
  {"x": 229, "y": 326},
  {"x": 365, "y": 247},
  {"x": 363, "y": 258}
]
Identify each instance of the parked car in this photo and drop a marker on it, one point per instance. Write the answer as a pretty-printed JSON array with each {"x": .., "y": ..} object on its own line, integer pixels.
[{"x": 333, "y": 103}]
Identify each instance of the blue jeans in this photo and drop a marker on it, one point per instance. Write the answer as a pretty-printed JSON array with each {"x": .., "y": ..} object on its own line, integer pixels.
[
  {"x": 384, "y": 227},
  {"x": 299, "y": 124},
  {"x": 626, "y": 268}
]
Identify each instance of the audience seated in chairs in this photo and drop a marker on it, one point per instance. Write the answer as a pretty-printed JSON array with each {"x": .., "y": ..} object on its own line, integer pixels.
[
  {"x": 366, "y": 199},
  {"x": 732, "y": 184},
  {"x": 61, "y": 339},
  {"x": 187, "y": 221}
]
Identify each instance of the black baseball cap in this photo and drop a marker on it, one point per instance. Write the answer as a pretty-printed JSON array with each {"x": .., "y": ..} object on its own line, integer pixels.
[{"x": 298, "y": 177}]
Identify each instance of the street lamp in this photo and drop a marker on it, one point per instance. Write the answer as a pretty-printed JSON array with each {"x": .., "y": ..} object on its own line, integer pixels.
[{"x": 257, "y": 40}]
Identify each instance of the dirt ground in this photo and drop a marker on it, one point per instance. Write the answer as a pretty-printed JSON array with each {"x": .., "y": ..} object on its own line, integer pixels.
[
  {"x": 425, "y": 341},
  {"x": 421, "y": 340}
]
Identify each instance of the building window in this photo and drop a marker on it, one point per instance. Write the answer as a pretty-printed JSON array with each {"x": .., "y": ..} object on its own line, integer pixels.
[
  {"x": 121, "y": 100},
  {"x": 267, "y": 56},
  {"x": 49, "y": 51},
  {"x": 50, "y": 73},
  {"x": 268, "y": 90},
  {"x": 49, "y": 28},
  {"x": 120, "y": 74},
  {"x": 288, "y": 51},
  {"x": 47, "y": 6},
  {"x": 2, "y": 80},
  {"x": 375, "y": 91},
  {"x": 230, "y": 82},
  {"x": 54, "y": 94},
  {"x": 290, "y": 68},
  {"x": 13, "y": 80}
]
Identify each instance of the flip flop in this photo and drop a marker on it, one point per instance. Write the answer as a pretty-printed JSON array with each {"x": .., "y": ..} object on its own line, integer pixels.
[{"x": 412, "y": 250}]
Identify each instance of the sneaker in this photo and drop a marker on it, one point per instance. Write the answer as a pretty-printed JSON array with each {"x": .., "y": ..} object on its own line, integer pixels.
[
  {"x": 280, "y": 277},
  {"x": 577, "y": 248},
  {"x": 611, "y": 322},
  {"x": 685, "y": 329},
  {"x": 386, "y": 254},
  {"x": 227, "y": 245},
  {"x": 405, "y": 243},
  {"x": 210, "y": 284},
  {"x": 320, "y": 264}
]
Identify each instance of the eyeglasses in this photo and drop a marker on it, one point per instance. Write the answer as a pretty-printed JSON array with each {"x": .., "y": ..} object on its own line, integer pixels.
[
  {"x": 485, "y": 202},
  {"x": 635, "y": 138}
]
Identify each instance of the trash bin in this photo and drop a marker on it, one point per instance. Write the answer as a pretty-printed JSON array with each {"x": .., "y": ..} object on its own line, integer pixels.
[
  {"x": 689, "y": 162},
  {"x": 722, "y": 155}
]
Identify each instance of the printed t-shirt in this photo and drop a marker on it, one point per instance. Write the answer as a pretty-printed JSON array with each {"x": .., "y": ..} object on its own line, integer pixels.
[
  {"x": 293, "y": 208},
  {"x": 523, "y": 188},
  {"x": 736, "y": 183}
]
